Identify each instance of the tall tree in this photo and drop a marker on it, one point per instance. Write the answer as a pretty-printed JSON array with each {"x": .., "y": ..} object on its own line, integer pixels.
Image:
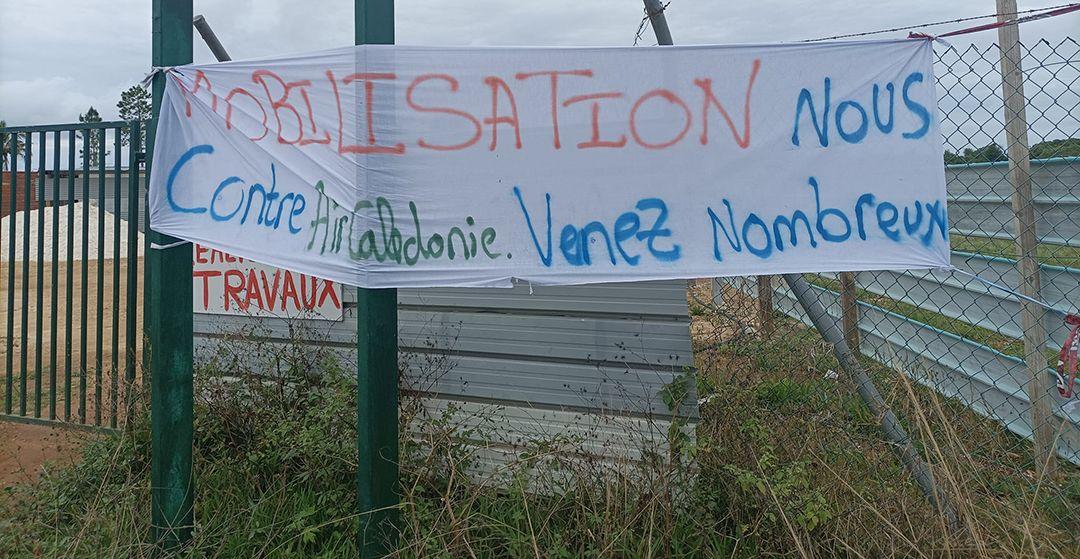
[
  {"x": 92, "y": 149},
  {"x": 5, "y": 143},
  {"x": 134, "y": 104}
]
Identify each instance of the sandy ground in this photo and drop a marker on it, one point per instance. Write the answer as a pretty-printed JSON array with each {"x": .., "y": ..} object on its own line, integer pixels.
[
  {"x": 100, "y": 361},
  {"x": 101, "y": 228},
  {"x": 26, "y": 449},
  {"x": 55, "y": 367}
]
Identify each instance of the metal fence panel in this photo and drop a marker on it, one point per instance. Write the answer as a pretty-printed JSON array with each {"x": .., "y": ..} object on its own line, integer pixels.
[
  {"x": 954, "y": 334},
  {"x": 70, "y": 341}
]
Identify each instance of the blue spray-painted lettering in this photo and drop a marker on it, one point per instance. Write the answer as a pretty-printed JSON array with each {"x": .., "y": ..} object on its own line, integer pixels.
[
  {"x": 626, "y": 228},
  {"x": 296, "y": 211},
  {"x": 736, "y": 243},
  {"x": 911, "y": 227},
  {"x": 187, "y": 156},
  {"x": 271, "y": 206},
  {"x": 864, "y": 122},
  {"x": 545, "y": 256},
  {"x": 570, "y": 245},
  {"x": 916, "y": 107},
  {"x": 217, "y": 195},
  {"x": 793, "y": 237},
  {"x": 939, "y": 217},
  {"x": 831, "y": 224},
  {"x": 886, "y": 224},
  {"x": 884, "y": 127},
  {"x": 762, "y": 252},
  {"x": 575, "y": 243},
  {"x": 821, "y": 215},
  {"x": 855, "y": 129},
  {"x": 590, "y": 228},
  {"x": 807, "y": 98},
  {"x": 658, "y": 230},
  {"x": 864, "y": 200}
]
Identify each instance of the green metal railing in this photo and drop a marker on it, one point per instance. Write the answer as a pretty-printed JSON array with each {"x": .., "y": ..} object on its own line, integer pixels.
[{"x": 86, "y": 381}]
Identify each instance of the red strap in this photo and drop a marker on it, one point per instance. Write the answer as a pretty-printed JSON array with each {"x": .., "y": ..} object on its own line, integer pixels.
[
  {"x": 1067, "y": 359},
  {"x": 996, "y": 24}
]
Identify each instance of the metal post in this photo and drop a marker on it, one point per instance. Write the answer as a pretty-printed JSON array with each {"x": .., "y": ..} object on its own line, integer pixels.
[
  {"x": 211, "y": 40},
  {"x": 655, "y": 10},
  {"x": 891, "y": 427},
  {"x": 377, "y": 371},
  {"x": 131, "y": 332},
  {"x": 170, "y": 324},
  {"x": 376, "y": 329},
  {"x": 1031, "y": 315}
]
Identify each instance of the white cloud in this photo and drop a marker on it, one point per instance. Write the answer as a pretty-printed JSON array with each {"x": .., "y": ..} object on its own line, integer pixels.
[
  {"x": 41, "y": 100},
  {"x": 59, "y": 56}
]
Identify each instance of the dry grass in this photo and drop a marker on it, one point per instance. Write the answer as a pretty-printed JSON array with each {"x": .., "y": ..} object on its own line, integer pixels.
[
  {"x": 787, "y": 462},
  {"x": 784, "y": 412}
]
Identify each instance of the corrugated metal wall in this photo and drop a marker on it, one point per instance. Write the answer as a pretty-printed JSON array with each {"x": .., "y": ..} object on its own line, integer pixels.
[
  {"x": 980, "y": 199},
  {"x": 586, "y": 360}
]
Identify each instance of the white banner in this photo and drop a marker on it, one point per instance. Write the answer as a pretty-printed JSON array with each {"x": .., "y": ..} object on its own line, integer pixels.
[
  {"x": 227, "y": 284},
  {"x": 393, "y": 166}
]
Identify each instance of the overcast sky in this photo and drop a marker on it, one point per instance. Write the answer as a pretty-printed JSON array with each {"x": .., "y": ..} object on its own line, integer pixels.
[{"x": 57, "y": 57}]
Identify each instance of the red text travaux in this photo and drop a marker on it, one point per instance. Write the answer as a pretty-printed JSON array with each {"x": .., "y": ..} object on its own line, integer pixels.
[{"x": 233, "y": 285}]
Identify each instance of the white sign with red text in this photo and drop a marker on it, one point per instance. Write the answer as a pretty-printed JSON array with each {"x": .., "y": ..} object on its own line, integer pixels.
[{"x": 226, "y": 284}]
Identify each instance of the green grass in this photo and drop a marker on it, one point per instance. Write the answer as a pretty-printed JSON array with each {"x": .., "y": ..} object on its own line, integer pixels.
[
  {"x": 787, "y": 461},
  {"x": 275, "y": 467},
  {"x": 777, "y": 401},
  {"x": 1055, "y": 255}
]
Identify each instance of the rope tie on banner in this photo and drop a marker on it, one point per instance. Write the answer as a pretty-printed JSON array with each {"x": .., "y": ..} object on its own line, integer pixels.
[
  {"x": 155, "y": 246},
  {"x": 148, "y": 80}
]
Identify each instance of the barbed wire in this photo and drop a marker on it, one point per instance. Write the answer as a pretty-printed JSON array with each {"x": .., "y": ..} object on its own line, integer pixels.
[
  {"x": 936, "y": 23},
  {"x": 645, "y": 20},
  {"x": 638, "y": 35}
]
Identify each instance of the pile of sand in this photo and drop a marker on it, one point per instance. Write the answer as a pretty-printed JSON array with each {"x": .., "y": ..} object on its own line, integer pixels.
[{"x": 75, "y": 253}]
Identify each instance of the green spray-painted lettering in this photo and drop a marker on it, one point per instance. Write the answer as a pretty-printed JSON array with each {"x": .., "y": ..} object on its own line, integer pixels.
[{"x": 375, "y": 234}]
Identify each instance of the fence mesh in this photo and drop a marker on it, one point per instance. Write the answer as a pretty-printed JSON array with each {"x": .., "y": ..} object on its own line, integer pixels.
[{"x": 947, "y": 351}]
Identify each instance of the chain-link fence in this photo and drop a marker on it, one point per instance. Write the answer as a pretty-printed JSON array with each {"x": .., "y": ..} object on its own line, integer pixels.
[{"x": 946, "y": 350}]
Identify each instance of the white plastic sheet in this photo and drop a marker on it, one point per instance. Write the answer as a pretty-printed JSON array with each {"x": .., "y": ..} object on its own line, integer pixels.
[{"x": 395, "y": 166}]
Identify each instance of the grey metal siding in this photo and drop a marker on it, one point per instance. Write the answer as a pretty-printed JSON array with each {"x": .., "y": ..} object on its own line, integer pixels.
[
  {"x": 980, "y": 199},
  {"x": 570, "y": 358}
]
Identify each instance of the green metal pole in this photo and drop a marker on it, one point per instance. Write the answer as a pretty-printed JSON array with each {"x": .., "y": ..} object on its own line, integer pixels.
[
  {"x": 377, "y": 371},
  {"x": 170, "y": 324}
]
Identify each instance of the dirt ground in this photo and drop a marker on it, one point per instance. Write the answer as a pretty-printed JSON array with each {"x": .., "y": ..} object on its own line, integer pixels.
[
  {"x": 100, "y": 361},
  {"x": 26, "y": 449}
]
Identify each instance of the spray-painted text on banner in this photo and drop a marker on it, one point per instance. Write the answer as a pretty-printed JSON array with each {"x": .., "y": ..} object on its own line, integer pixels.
[{"x": 389, "y": 166}]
